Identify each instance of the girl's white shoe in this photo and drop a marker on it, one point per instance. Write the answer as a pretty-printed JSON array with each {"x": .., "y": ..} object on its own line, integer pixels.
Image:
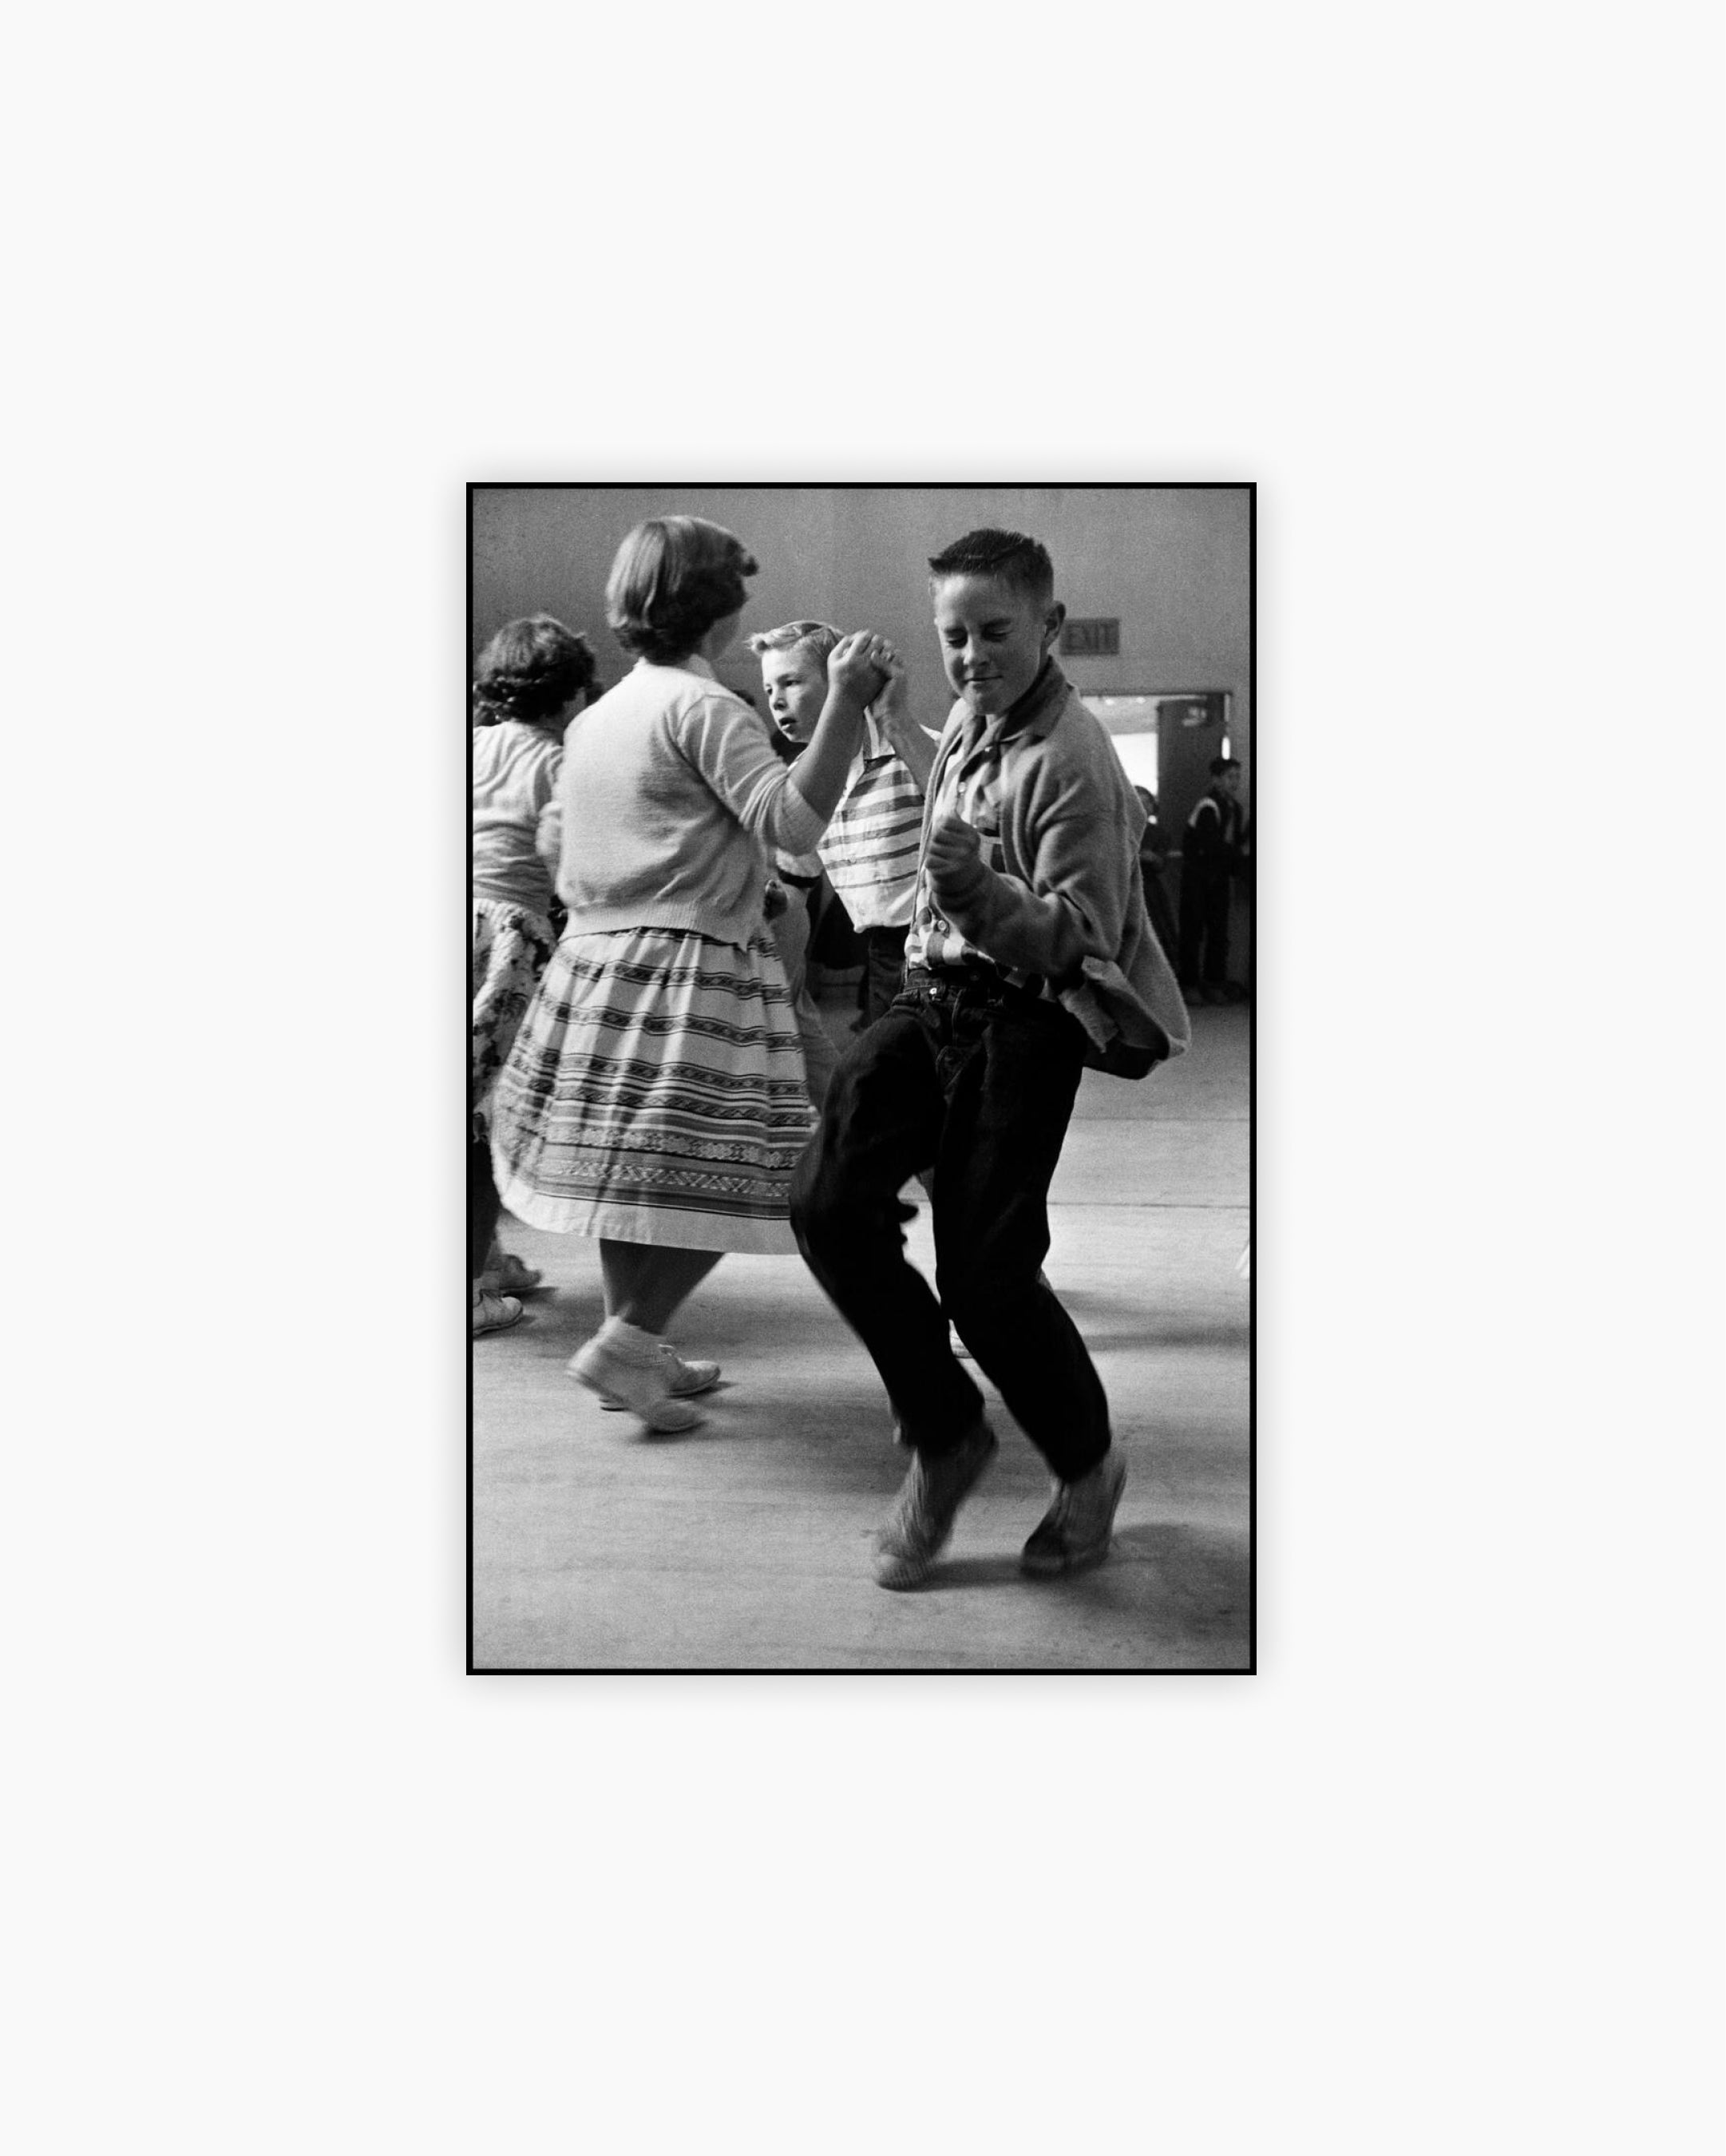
[
  {"x": 687, "y": 1378},
  {"x": 628, "y": 1368},
  {"x": 491, "y": 1313}
]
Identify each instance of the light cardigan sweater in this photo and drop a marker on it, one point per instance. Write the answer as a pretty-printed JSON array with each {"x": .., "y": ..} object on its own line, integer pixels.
[
  {"x": 1067, "y": 901},
  {"x": 515, "y": 779},
  {"x": 670, "y": 792}
]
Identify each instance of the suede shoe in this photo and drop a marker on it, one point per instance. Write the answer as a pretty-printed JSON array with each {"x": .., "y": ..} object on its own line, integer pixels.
[
  {"x": 922, "y": 1518},
  {"x": 1076, "y": 1529}
]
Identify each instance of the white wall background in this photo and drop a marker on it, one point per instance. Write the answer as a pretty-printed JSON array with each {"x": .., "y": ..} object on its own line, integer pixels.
[{"x": 1445, "y": 1876}]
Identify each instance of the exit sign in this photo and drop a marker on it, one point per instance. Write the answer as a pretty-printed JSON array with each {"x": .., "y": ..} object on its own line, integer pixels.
[{"x": 1091, "y": 640}]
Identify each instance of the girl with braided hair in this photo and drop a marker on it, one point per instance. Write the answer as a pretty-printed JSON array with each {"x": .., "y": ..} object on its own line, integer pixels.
[{"x": 531, "y": 679}]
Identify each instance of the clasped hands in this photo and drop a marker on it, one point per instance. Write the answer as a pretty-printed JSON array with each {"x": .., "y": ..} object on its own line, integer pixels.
[{"x": 862, "y": 664}]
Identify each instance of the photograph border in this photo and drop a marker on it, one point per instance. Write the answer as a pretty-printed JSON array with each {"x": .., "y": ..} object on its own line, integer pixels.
[{"x": 1249, "y": 488}]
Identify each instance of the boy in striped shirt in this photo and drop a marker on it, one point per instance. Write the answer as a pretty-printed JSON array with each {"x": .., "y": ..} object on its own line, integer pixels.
[{"x": 870, "y": 848}]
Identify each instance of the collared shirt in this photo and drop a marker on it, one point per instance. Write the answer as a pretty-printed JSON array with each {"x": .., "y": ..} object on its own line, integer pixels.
[
  {"x": 871, "y": 847},
  {"x": 1064, "y": 905},
  {"x": 966, "y": 781}
]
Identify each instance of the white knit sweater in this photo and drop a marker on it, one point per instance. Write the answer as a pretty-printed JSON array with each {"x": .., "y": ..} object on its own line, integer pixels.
[{"x": 670, "y": 792}]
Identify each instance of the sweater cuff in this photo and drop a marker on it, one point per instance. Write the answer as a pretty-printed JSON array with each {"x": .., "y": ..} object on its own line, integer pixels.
[
  {"x": 964, "y": 886},
  {"x": 796, "y": 827}
]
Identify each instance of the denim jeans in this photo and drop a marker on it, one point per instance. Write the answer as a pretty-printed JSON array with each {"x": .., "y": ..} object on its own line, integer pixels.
[
  {"x": 883, "y": 971},
  {"x": 977, "y": 1081},
  {"x": 790, "y": 931},
  {"x": 1204, "y": 930}
]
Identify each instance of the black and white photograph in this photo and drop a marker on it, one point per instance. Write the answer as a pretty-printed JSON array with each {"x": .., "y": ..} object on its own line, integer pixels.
[
  {"x": 860, "y": 1063},
  {"x": 1066, "y": 670}
]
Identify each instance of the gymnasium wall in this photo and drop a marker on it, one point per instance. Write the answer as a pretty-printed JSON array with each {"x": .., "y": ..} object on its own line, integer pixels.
[{"x": 1172, "y": 563}]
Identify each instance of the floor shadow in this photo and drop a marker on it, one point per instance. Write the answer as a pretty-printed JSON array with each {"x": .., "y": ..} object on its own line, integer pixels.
[
  {"x": 1198, "y": 1585},
  {"x": 1203, "y": 1576},
  {"x": 970, "y": 1571},
  {"x": 1232, "y": 1337},
  {"x": 557, "y": 1323}
]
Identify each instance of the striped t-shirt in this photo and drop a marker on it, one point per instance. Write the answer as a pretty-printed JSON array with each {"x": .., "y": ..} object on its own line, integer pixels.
[{"x": 869, "y": 849}]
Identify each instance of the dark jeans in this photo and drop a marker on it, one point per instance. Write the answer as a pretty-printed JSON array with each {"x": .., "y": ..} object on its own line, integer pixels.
[
  {"x": 883, "y": 971},
  {"x": 978, "y": 1082},
  {"x": 1204, "y": 931},
  {"x": 1162, "y": 914}
]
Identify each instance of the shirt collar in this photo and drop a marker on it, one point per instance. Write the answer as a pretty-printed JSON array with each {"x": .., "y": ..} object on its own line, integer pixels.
[{"x": 1033, "y": 716}]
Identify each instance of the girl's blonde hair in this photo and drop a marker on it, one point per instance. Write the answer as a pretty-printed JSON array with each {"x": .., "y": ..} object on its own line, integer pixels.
[{"x": 674, "y": 577}]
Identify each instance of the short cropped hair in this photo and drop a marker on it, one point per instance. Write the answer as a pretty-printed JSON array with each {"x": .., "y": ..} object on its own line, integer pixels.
[
  {"x": 1013, "y": 557},
  {"x": 530, "y": 669},
  {"x": 819, "y": 637},
  {"x": 1219, "y": 764},
  {"x": 674, "y": 577}
]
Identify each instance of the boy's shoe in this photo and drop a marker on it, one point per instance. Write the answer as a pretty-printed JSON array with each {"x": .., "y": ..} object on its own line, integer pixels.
[
  {"x": 921, "y": 1520},
  {"x": 687, "y": 1378},
  {"x": 491, "y": 1313},
  {"x": 623, "y": 1363},
  {"x": 505, "y": 1274},
  {"x": 1076, "y": 1529}
]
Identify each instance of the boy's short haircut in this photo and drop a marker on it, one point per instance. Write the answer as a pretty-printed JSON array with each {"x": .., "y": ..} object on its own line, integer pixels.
[
  {"x": 674, "y": 577},
  {"x": 1014, "y": 558},
  {"x": 819, "y": 637},
  {"x": 1219, "y": 764}
]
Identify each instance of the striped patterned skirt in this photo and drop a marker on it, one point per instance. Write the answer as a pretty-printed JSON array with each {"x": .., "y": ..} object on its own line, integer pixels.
[{"x": 655, "y": 1093}]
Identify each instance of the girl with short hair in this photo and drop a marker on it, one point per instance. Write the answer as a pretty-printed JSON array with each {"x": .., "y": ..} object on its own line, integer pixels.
[{"x": 654, "y": 1096}]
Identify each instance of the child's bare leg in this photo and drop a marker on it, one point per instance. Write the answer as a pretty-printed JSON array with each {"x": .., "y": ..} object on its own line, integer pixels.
[
  {"x": 626, "y": 1362},
  {"x": 645, "y": 1283}
]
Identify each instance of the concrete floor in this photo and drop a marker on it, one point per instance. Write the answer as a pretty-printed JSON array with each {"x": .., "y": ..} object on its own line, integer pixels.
[{"x": 745, "y": 1544}]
